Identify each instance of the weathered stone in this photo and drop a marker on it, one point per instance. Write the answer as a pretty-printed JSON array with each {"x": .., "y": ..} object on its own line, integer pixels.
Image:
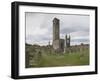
[{"x": 59, "y": 45}]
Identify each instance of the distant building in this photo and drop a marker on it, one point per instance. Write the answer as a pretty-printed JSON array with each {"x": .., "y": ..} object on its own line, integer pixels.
[
  {"x": 67, "y": 41},
  {"x": 59, "y": 44}
]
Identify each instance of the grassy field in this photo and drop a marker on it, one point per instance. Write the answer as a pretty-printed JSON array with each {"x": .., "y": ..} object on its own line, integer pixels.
[
  {"x": 71, "y": 59},
  {"x": 64, "y": 59}
]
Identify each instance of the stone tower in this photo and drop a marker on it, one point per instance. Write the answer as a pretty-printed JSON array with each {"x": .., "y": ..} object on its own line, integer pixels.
[
  {"x": 56, "y": 41},
  {"x": 59, "y": 44},
  {"x": 55, "y": 29}
]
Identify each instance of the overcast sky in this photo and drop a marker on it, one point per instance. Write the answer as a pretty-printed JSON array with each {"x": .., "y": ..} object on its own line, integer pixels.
[{"x": 39, "y": 27}]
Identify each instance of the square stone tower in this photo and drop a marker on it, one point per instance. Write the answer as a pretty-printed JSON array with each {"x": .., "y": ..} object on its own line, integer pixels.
[
  {"x": 56, "y": 29},
  {"x": 58, "y": 44},
  {"x": 56, "y": 41}
]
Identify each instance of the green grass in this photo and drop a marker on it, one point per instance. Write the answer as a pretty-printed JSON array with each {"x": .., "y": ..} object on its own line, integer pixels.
[{"x": 66, "y": 59}]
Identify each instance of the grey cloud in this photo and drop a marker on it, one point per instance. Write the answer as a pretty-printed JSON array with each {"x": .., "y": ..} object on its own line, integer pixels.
[
  {"x": 69, "y": 30},
  {"x": 80, "y": 40},
  {"x": 69, "y": 24},
  {"x": 38, "y": 38}
]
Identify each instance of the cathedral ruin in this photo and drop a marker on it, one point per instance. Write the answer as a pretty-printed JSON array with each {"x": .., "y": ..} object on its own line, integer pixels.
[
  {"x": 55, "y": 54},
  {"x": 59, "y": 45}
]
